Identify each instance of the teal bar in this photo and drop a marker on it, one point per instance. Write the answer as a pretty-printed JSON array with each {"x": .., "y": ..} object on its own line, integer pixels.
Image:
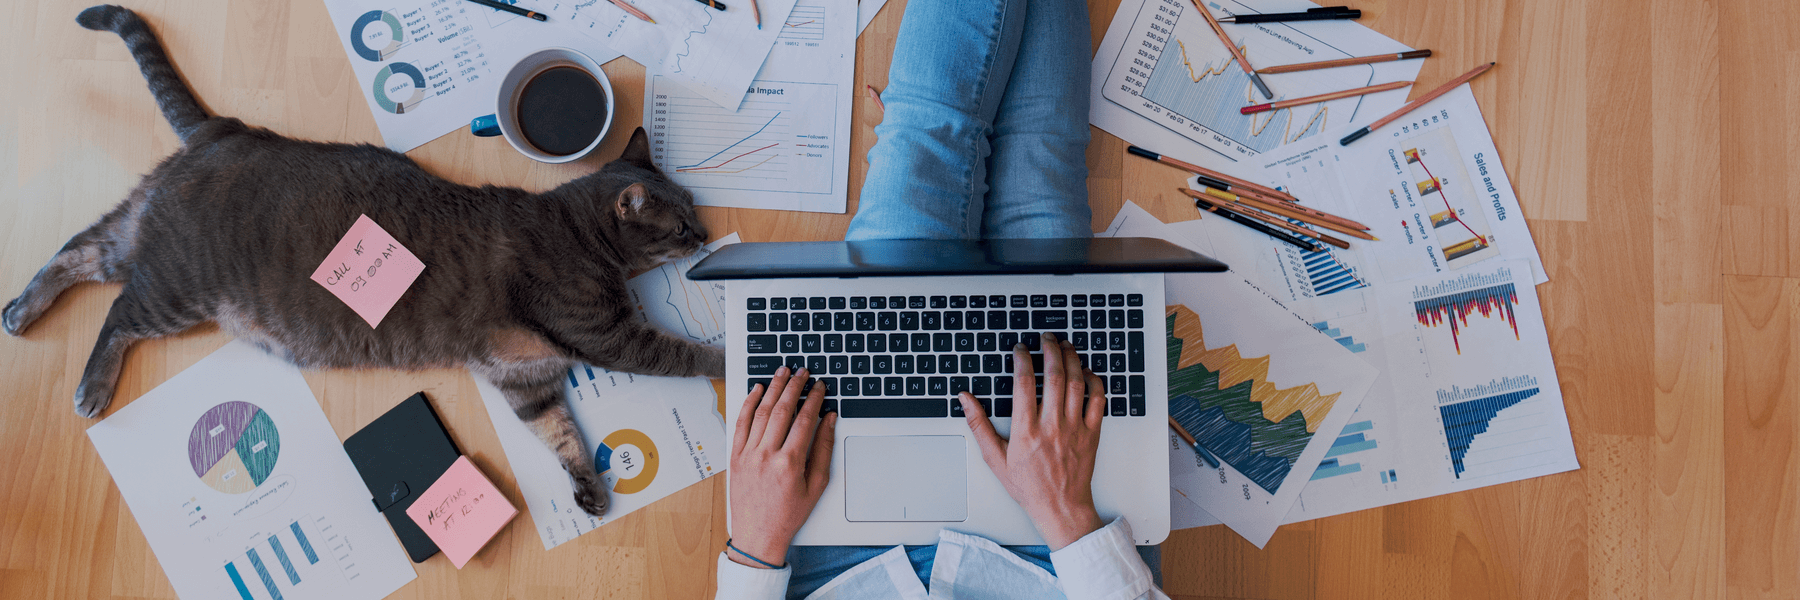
[
  {"x": 1350, "y": 448},
  {"x": 1324, "y": 472},
  {"x": 1358, "y": 426}
]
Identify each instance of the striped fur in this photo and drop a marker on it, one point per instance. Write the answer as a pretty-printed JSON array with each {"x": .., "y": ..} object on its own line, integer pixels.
[{"x": 517, "y": 286}]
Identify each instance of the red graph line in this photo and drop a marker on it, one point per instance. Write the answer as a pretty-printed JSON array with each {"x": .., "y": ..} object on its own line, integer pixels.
[
  {"x": 727, "y": 162},
  {"x": 1420, "y": 156}
]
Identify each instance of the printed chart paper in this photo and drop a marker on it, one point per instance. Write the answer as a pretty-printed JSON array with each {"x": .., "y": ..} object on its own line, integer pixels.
[
  {"x": 787, "y": 147},
  {"x": 427, "y": 67},
  {"x": 1270, "y": 393},
  {"x": 1162, "y": 80},
  {"x": 242, "y": 488},
  {"x": 713, "y": 53},
  {"x": 1430, "y": 186},
  {"x": 651, "y": 436},
  {"x": 1468, "y": 395}
]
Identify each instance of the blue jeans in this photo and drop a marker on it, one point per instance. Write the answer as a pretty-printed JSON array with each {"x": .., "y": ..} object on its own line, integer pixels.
[{"x": 985, "y": 132}]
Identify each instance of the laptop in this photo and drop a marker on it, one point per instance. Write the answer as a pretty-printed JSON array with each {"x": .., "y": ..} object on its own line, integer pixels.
[{"x": 895, "y": 329}]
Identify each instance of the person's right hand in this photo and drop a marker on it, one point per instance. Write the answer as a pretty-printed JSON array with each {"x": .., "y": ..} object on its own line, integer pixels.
[{"x": 1048, "y": 465}]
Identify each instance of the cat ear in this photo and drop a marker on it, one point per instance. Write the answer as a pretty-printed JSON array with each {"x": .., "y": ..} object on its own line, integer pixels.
[
  {"x": 637, "y": 151},
  {"x": 631, "y": 199}
]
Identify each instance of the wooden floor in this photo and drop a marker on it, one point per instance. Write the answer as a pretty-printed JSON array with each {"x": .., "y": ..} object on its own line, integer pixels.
[{"x": 1654, "y": 145}]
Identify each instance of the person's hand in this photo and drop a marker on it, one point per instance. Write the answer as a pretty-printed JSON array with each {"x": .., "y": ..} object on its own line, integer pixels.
[
  {"x": 1048, "y": 465},
  {"x": 778, "y": 466}
]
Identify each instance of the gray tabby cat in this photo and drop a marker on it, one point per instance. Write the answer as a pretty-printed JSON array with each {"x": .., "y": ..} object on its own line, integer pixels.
[{"x": 517, "y": 285}]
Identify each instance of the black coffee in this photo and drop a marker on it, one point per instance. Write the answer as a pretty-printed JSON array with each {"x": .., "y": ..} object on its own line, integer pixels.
[{"x": 561, "y": 110}]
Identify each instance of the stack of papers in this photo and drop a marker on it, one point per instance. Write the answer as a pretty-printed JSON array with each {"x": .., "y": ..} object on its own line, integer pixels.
[
  {"x": 744, "y": 114},
  {"x": 1442, "y": 310}
]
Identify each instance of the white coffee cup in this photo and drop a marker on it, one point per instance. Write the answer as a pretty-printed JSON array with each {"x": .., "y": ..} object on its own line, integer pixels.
[{"x": 505, "y": 106}]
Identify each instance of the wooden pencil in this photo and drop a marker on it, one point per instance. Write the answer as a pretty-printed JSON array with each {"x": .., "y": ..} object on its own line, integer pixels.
[
  {"x": 1343, "y": 62},
  {"x": 627, "y": 7},
  {"x": 1245, "y": 210},
  {"x": 756, "y": 9},
  {"x": 1199, "y": 170},
  {"x": 1286, "y": 210},
  {"x": 1258, "y": 226},
  {"x": 1299, "y": 208},
  {"x": 1429, "y": 96},
  {"x": 1235, "y": 52},
  {"x": 1256, "y": 108}
]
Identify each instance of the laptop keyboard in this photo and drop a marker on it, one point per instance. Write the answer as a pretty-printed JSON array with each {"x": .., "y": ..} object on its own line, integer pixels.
[{"x": 909, "y": 356}]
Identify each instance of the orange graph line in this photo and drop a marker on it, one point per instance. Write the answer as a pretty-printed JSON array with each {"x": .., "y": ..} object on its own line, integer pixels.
[
  {"x": 1319, "y": 116},
  {"x": 1233, "y": 369},
  {"x": 699, "y": 172},
  {"x": 798, "y": 24},
  {"x": 1190, "y": 65},
  {"x": 727, "y": 162}
]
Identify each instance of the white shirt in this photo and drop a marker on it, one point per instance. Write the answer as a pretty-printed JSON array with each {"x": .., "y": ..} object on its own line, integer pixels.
[{"x": 1103, "y": 565}]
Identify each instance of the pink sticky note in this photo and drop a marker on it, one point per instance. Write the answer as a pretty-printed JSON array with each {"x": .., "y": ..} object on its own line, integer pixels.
[
  {"x": 461, "y": 511},
  {"x": 369, "y": 270}
]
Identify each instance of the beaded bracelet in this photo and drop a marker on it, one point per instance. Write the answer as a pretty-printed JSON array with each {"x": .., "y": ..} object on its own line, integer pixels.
[{"x": 747, "y": 555}]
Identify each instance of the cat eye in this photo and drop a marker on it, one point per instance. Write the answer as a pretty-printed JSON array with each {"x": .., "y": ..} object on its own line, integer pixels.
[{"x": 683, "y": 231}]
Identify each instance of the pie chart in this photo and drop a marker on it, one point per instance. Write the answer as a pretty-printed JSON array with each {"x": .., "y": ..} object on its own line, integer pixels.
[{"x": 233, "y": 447}]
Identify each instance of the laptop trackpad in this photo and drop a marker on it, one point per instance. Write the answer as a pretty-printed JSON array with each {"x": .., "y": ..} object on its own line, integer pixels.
[{"x": 906, "y": 478}]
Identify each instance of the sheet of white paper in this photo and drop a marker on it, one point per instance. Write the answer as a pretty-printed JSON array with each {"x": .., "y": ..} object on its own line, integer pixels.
[
  {"x": 1468, "y": 395},
  {"x": 1430, "y": 186},
  {"x": 865, "y": 12},
  {"x": 1183, "y": 513},
  {"x": 788, "y": 146},
  {"x": 428, "y": 67},
  {"x": 1162, "y": 80},
  {"x": 242, "y": 488},
  {"x": 651, "y": 436},
  {"x": 1272, "y": 390},
  {"x": 712, "y": 53}
]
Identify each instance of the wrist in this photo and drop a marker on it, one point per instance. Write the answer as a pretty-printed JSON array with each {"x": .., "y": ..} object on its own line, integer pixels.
[
  {"x": 1067, "y": 525},
  {"x": 748, "y": 551}
]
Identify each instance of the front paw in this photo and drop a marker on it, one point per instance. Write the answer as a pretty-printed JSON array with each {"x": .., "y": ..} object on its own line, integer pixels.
[
  {"x": 92, "y": 398},
  {"x": 12, "y": 318},
  {"x": 590, "y": 494},
  {"x": 711, "y": 363}
]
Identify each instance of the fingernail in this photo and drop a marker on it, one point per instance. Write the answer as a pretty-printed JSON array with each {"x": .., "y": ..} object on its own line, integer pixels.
[
  {"x": 781, "y": 372},
  {"x": 1049, "y": 338}
]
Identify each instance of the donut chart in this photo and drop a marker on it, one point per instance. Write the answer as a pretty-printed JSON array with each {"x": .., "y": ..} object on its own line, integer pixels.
[
  {"x": 364, "y": 41},
  {"x": 233, "y": 447},
  {"x": 629, "y": 459},
  {"x": 382, "y": 97}
]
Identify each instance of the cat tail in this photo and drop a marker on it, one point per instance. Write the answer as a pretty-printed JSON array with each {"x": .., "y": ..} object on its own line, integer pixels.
[{"x": 177, "y": 101}]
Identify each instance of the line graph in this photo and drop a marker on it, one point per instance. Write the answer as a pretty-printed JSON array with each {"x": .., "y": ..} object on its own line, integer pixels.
[
  {"x": 1174, "y": 72},
  {"x": 1462, "y": 231},
  {"x": 805, "y": 24},
  {"x": 780, "y": 139}
]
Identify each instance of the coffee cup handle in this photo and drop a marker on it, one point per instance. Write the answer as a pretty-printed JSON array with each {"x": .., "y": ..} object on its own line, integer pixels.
[{"x": 485, "y": 126}]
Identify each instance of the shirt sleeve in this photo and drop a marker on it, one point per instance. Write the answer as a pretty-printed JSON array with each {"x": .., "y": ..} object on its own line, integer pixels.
[
  {"x": 739, "y": 582},
  {"x": 1104, "y": 565}
]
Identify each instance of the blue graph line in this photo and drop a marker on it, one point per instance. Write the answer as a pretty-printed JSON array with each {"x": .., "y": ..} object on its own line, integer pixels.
[
  {"x": 746, "y": 139},
  {"x": 687, "y": 41},
  {"x": 670, "y": 299}
]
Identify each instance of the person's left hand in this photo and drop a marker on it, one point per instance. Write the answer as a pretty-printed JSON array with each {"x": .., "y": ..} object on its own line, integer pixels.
[{"x": 780, "y": 461}]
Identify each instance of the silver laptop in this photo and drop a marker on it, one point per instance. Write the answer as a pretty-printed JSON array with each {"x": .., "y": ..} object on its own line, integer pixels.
[{"x": 896, "y": 329}]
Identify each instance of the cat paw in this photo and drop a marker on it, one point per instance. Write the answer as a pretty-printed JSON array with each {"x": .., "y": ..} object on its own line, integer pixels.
[
  {"x": 13, "y": 318},
  {"x": 590, "y": 495},
  {"x": 712, "y": 363},
  {"x": 91, "y": 400}
]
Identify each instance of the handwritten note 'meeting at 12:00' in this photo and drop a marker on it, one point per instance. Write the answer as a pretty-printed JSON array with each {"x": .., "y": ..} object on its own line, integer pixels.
[{"x": 369, "y": 270}]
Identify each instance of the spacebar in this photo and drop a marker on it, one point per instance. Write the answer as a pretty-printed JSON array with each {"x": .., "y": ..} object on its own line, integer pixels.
[{"x": 888, "y": 409}]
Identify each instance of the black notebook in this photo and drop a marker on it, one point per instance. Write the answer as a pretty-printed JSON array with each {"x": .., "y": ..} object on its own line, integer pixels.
[{"x": 399, "y": 455}]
